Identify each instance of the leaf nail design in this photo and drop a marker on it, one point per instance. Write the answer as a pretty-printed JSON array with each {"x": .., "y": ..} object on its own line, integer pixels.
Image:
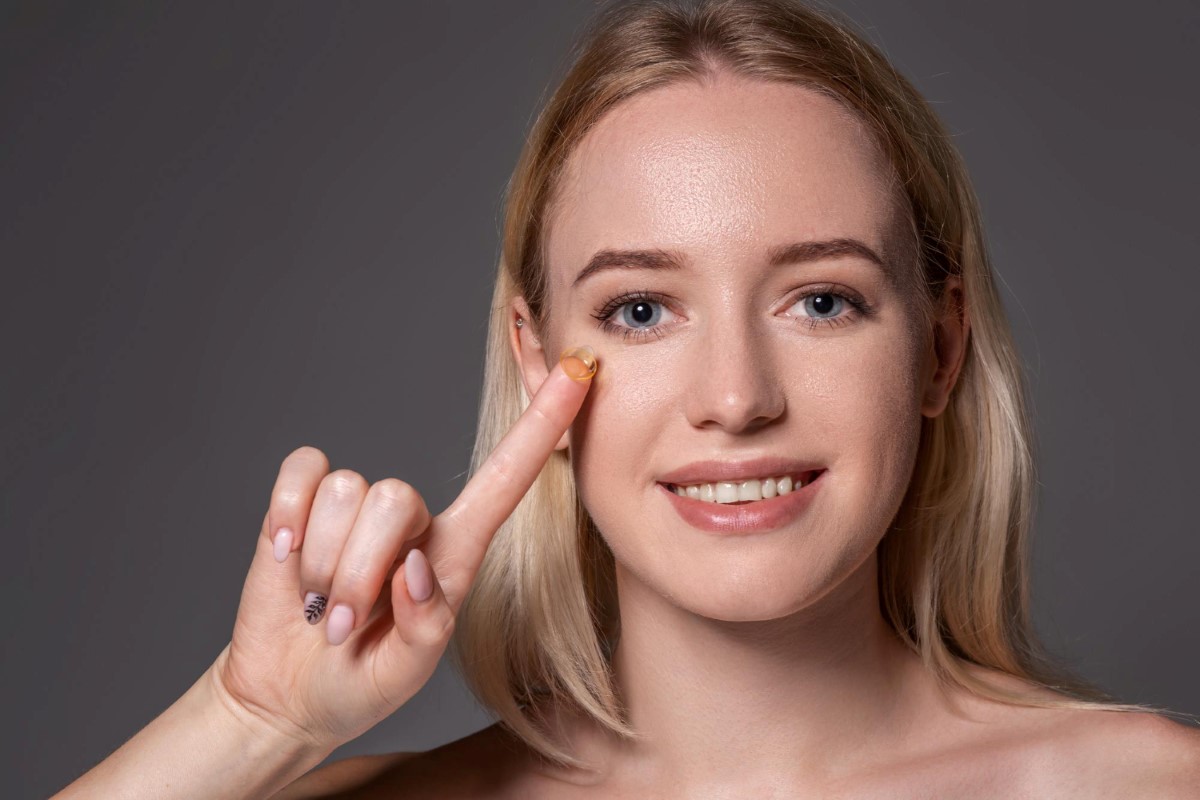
[{"x": 314, "y": 607}]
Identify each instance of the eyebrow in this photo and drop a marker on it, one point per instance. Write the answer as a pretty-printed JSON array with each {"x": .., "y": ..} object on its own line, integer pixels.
[{"x": 667, "y": 260}]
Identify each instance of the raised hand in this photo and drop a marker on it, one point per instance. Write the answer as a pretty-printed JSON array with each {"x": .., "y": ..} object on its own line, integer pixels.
[{"x": 354, "y": 620}]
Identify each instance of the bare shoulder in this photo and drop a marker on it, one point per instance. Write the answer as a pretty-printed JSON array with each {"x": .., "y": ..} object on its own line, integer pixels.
[
  {"x": 1130, "y": 753},
  {"x": 1072, "y": 752},
  {"x": 484, "y": 764}
]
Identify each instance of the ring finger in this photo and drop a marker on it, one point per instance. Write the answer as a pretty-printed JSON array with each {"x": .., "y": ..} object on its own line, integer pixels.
[{"x": 336, "y": 507}]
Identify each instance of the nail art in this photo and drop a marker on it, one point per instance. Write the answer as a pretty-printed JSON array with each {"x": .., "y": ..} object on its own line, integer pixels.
[{"x": 314, "y": 607}]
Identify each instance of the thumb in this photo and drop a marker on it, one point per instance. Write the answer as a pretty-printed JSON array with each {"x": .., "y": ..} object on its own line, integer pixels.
[{"x": 422, "y": 626}]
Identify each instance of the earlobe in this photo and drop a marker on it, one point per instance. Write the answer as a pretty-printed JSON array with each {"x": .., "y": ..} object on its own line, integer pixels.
[{"x": 529, "y": 354}]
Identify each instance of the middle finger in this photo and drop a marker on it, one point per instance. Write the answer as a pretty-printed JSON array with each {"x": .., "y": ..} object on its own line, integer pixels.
[{"x": 392, "y": 514}]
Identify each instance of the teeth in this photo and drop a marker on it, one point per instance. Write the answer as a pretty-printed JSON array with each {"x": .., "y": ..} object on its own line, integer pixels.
[
  {"x": 728, "y": 492},
  {"x": 740, "y": 491}
]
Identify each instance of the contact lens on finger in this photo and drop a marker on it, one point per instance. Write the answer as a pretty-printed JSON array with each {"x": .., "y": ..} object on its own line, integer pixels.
[{"x": 579, "y": 362}]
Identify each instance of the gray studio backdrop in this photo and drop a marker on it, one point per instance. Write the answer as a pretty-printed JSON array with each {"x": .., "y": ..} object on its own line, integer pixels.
[{"x": 230, "y": 230}]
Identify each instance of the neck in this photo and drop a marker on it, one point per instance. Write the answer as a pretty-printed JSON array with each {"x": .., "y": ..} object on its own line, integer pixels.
[{"x": 801, "y": 695}]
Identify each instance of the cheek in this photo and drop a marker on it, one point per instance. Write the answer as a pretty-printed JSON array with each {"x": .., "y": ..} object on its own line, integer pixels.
[
  {"x": 870, "y": 424},
  {"x": 853, "y": 403},
  {"x": 616, "y": 439}
]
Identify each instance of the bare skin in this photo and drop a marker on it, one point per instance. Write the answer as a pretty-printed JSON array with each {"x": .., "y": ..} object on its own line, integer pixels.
[
  {"x": 291, "y": 687},
  {"x": 760, "y": 666},
  {"x": 997, "y": 752}
]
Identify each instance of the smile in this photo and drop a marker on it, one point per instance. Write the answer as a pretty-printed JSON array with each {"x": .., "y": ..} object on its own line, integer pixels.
[
  {"x": 733, "y": 517},
  {"x": 749, "y": 491}
]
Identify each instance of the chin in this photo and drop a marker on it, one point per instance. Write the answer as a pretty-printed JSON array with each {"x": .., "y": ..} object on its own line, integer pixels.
[
  {"x": 738, "y": 607},
  {"x": 748, "y": 587},
  {"x": 753, "y": 579}
]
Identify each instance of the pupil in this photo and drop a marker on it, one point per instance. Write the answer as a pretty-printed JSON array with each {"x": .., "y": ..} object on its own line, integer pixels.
[
  {"x": 822, "y": 300},
  {"x": 642, "y": 312}
]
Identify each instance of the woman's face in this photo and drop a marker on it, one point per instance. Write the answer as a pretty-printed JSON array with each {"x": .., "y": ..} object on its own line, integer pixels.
[{"x": 722, "y": 359}]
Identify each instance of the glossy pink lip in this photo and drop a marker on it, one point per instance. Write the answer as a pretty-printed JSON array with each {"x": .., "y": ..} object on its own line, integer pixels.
[
  {"x": 759, "y": 516},
  {"x": 713, "y": 471}
]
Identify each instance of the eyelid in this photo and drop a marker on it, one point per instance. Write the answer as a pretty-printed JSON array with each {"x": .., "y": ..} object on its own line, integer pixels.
[
  {"x": 609, "y": 307},
  {"x": 860, "y": 309},
  {"x": 828, "y": 288}
]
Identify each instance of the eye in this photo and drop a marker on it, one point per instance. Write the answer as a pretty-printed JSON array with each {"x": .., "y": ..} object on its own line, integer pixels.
[
  {"x": 831, "y": 306},
  {"x": 638, "y": 314}
]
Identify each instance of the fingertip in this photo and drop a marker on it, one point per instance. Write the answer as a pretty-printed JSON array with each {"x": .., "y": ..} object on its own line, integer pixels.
[
  {"x": 283, "y": 544},
  {"x": 418, "y": 576},
  {"x": 339, "y": 624}
]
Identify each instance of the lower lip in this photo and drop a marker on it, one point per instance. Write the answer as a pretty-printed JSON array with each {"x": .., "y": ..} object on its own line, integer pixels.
[{"x": 756, "y": 517}]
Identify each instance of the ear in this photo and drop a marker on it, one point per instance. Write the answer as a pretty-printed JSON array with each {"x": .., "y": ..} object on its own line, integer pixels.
[
  {"x": 950, "y": 336},
  {"x": 529, "y": 354}
]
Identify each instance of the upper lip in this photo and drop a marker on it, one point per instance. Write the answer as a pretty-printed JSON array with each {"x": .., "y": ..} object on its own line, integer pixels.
[{"x": 714, "y": 471}]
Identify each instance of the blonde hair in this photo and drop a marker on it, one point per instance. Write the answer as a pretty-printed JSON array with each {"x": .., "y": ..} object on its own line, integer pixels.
[{"x": 540, "y": 620}]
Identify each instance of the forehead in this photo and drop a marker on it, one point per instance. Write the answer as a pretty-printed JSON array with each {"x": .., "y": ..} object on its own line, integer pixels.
[{"x": 721, "y": 170}]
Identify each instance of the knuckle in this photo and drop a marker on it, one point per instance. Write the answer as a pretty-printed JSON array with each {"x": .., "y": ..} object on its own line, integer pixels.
[
  {"x": 436, "y": 629},
  {"x": 503, "y": 468},
  {"x": 288, "y": 499},
  {"x": 538, "y": 411},
  {"x": 395, "y": 496},
  {"x": 344, "y": 485}
]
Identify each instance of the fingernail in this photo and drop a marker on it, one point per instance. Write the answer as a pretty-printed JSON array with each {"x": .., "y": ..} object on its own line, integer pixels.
[
  {"x": 314, "y": 607},
  {"x": 579, "y": 362},
  {"x": 418, "y": 576},
  {"x": 339, "y": 624},
  {"x": 283, "y": 544}
]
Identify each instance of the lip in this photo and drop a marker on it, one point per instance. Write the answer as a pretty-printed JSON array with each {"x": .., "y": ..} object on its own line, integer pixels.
[
  {"x": 713, "y": 471},
  {"x": 757, "y": 517}
]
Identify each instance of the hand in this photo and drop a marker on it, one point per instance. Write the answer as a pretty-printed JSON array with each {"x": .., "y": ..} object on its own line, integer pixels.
[{"x": 370, "y": 552}]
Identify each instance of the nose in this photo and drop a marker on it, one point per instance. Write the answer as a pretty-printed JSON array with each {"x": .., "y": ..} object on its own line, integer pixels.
[{"x": 733, "y": 385}]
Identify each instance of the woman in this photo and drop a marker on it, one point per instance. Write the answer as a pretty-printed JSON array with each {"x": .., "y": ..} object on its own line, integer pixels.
[{"x": 761, "y": 533}]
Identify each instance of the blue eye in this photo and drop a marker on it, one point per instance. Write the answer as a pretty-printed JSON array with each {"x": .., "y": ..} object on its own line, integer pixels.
[
  {"x": 637, "y": 309},
  {"x": 640, "y": 318},
  {"x": 640, "y": 312},
  {"x": 821, "y": 302}
]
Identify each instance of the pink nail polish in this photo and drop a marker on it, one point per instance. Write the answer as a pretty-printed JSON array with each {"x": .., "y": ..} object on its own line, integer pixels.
[
  {"x": 417, "y": 576},
  {"x": 283, "y": 544},
  {"x": 339, "y": 624}
]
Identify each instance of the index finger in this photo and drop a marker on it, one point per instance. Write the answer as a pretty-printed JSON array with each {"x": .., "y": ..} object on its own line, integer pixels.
[{"x": 467, "y": 526}]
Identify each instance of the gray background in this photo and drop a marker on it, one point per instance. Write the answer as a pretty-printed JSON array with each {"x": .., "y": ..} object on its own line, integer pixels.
[{"x": 229, "y": 230}]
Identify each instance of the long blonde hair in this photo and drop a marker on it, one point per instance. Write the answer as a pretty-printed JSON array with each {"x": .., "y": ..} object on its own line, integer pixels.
[{"x": 540, "y": 620}]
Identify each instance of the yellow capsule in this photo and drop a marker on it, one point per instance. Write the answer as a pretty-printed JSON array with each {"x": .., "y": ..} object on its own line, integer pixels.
[{"x": 579, "y": 362}]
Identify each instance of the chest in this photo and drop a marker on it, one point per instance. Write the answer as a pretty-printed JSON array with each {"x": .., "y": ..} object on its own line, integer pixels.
[{"x": 998, "y": 776}]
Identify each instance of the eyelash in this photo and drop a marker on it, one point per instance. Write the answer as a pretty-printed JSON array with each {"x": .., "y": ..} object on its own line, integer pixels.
[{"x": 608, "y": 310}]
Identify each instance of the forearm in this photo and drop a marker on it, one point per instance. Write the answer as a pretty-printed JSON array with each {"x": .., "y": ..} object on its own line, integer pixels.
[{"x": 202, "y": 746}]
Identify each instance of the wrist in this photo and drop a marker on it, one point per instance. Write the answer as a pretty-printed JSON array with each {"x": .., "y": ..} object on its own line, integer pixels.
[
  {"x": 207, "y": 744},
  {"x": 241, "y": 721}
]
